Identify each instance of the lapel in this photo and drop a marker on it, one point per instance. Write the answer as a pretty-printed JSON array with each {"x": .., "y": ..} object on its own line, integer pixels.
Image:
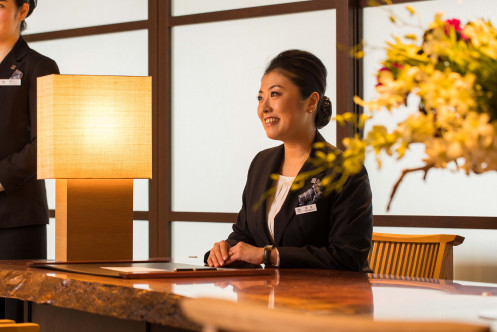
[
  {"x": 273, "y": 166},
  {"x": 13, "y": 59},
  {"x": 287, "y": 211}
]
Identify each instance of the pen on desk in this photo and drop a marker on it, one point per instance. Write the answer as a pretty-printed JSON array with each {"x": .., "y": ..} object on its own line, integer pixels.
[{"x": 194, "y": 269}]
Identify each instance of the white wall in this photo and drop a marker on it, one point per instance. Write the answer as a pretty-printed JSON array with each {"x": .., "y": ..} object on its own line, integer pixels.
[{"x": 217, "y": 68}]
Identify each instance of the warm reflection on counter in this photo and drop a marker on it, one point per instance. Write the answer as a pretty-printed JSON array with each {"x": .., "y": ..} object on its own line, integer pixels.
[{"x": 321, "y": 292}]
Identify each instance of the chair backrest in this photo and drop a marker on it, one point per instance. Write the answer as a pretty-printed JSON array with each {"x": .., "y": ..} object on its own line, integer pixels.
[
  {"x": 423, "y": 256},
  {"x": 215, "y": 314},
  {"x": 7, "y": 325}
]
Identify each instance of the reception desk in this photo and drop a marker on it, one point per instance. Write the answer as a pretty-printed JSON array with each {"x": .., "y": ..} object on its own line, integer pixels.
[{"x": 61, "y": 301}]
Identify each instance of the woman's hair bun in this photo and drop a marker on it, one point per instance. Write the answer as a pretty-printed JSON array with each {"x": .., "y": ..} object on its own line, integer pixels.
[{"x": 323, "y": 114}]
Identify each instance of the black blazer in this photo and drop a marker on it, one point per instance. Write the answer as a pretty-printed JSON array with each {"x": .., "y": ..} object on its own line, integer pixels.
[
  {"x": 24, "y": 200},
  {"x": 336, "y": 236}
]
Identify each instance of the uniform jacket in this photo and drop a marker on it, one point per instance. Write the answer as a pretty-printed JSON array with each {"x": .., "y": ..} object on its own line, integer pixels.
[
  {"x": 336, "y": 236},
  {"x": 24, "y": 200}
]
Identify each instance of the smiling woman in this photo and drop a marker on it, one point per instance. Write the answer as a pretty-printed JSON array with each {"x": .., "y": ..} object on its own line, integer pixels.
[{"x": 297, "y": 226}]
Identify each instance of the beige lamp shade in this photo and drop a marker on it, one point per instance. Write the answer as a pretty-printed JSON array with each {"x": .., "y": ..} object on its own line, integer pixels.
[{"x": 94, "y": 127}]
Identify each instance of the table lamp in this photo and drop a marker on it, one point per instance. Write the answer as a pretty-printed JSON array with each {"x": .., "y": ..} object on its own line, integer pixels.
[{"x": 94, "y": 137}]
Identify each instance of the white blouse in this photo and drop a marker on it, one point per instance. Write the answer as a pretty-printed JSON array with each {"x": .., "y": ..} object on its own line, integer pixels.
[{"x": 276, "y": 201}]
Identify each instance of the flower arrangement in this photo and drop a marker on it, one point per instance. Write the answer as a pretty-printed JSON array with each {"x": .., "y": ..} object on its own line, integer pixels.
[{"x": 453, "y": 72}]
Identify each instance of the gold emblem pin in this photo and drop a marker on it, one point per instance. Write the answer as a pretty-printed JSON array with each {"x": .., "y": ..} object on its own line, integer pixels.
[{"x": 13, "y": 67}]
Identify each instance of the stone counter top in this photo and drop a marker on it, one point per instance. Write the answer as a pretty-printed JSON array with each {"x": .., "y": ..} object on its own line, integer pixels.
[
  {"x": 124, "y": 299},
  {"x": 319, "y": 292},
  {"x": 157, "y": 300}
]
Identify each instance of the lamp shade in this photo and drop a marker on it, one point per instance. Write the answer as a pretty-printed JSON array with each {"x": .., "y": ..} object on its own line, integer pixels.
[{"x": 94, "y": 127}]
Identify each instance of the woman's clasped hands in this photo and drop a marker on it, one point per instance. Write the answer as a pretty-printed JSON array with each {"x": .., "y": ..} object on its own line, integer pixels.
[{"x": 222, "y": 254}]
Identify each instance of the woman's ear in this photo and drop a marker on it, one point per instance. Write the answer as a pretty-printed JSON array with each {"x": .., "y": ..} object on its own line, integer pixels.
[
  {"x": 23, "y": 12},
  {"x": 313, "y": 101}
]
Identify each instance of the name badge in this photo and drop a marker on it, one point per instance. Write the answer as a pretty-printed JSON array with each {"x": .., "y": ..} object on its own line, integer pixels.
[
  {"x": 306, "y": 209},
  {"x": 10, "y": 82}
]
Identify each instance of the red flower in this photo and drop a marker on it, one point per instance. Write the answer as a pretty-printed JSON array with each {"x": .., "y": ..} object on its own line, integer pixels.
[
  {"x": 378, "y": 76},
  {"x": 456, "y": 25},
  {"x": 395, "y": 65}
]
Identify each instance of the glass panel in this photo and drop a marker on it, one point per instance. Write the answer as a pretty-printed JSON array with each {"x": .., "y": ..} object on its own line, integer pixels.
[
  {"x": 140, "y": 195},
  {"x": 51, "y": 239},
  {"x": 191, "y": 240},
  {"x": 443, "y": 192},
  {"x": 474, "y": 259},
  {"x": 217, "y": 69},
  {"x": 140, "y": 239},
  {"x": 123, "y": 53},
  {"x": 51, "y": 15},
  {"x": 50, "y": 185},
  {"x": 186, "y": 7}
]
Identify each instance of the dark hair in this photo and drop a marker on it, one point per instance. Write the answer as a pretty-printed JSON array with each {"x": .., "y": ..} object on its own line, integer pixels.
[
  {"x": 32, "y": 6},
  {"x": 309, "y": 74}
]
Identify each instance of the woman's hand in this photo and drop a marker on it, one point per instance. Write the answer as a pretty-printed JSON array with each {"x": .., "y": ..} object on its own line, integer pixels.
[
  {"x": 219, "y": 254},
  {"x": 223, "y": 254},
  {"x": 246, "y": 253}
]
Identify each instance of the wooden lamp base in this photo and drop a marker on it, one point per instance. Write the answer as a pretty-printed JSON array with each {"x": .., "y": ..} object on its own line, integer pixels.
[{"x": 94, "y": 219}]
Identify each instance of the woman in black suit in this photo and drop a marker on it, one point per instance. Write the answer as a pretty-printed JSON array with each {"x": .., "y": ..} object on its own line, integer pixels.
[
  {"x": 297, "y": 228},
  {"x": 23, "y": 202}
]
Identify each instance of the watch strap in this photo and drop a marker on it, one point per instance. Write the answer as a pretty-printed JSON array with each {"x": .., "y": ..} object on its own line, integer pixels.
[{"x": 267, "y": 255}]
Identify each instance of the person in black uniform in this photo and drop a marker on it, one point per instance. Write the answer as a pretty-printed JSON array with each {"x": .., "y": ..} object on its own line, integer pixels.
[
  {"x": 297, "y": 228},
  {"x": 23, "y": 202}
]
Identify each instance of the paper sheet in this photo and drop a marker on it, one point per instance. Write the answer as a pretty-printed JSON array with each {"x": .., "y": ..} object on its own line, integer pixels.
[{"x": 133, "y": 269}]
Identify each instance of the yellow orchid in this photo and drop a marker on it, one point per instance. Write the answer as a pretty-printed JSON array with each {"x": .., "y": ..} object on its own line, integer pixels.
[{"x": 453, "y": 72}]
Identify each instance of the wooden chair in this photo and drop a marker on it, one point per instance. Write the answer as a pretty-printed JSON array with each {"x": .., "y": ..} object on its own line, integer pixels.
[
  {"x": 7, "y": 325},
  {"x": 214, "y": 314},
  {"x": 424, "y": 256}
]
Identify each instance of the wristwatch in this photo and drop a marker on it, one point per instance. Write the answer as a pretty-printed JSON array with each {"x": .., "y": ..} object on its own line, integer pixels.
[{"x": 267, "y": 254}]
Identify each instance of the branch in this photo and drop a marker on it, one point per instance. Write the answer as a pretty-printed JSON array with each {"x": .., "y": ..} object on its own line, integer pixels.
[{"x": 425, "y": 169}]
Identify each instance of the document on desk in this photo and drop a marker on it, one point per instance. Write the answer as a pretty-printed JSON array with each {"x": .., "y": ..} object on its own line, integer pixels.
[
  {"x": 148, "y": 270},
  {"x": 135, "y": 269}
]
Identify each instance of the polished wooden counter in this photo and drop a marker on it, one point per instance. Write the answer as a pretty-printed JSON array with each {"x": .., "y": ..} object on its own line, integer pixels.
[{"x": 321, "y": 292}]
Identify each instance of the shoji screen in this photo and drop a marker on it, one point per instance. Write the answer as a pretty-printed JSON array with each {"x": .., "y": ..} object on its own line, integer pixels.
[{"x": 216, "y": 73}]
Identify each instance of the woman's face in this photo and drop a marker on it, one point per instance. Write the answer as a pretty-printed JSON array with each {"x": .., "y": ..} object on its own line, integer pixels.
[
  {"x": 10, "y": 19},
  {"x": 285, "y": 116}
]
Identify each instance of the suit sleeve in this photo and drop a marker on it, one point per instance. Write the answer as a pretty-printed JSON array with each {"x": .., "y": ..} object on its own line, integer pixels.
[
  {"x": 17, "y": 168},
  {"x": 349, "y": 240}
]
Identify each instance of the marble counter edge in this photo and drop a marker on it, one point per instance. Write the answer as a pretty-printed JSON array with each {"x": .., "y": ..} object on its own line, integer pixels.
[{"x": 97, "y": 297}]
